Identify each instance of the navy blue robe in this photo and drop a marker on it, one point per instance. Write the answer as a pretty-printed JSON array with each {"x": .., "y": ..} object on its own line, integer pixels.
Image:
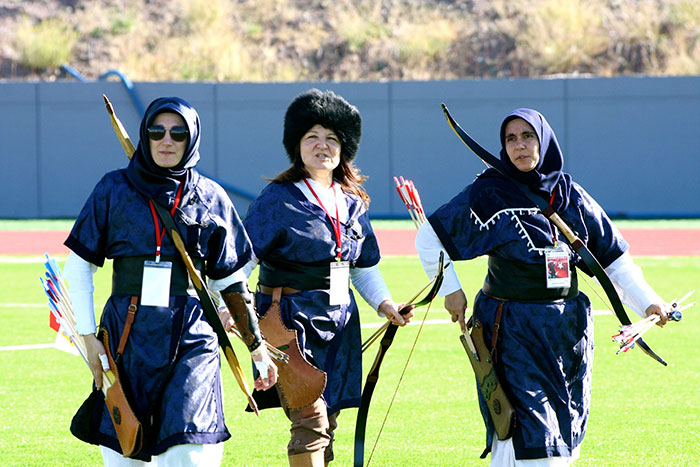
[
  {"x": 171, "y": 365},
  {"x": 283, "y": 224},
  {"x": 544, "y": 350}
]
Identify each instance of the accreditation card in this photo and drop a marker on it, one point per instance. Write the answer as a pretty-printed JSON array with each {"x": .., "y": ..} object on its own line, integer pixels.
[
  {"x": 155, "y": 290},
  {"x": 556, "y": 260},
  {"x": 340, "y": 283}
]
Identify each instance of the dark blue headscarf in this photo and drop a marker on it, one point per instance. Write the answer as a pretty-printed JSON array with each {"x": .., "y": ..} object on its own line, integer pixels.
[
  {"x": 160, "y": 183},
  {"x": 547, "y": 175}
]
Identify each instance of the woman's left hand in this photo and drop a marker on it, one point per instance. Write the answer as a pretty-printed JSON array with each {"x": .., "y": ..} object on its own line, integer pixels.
[
  {"x": 391, "y": 311},
  {"x": 660, "y": 309}
]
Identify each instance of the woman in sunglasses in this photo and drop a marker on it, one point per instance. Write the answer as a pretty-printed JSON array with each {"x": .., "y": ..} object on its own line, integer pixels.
[
  {"x": 311, "y": 235},
  {"x": 168, "y": 356}
]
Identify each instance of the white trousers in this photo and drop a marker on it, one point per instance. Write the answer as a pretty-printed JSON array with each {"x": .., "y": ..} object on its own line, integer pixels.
[
  {"x": 182, "y": 455},
  {"x": 503, "y": 455}
]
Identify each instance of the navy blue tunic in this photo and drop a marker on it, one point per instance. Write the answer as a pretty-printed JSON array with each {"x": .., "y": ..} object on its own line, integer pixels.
[
  {"x": 284, "y": 225},
  {"x": 544, "y": 350},
  {"x": 171, "y": 368}
]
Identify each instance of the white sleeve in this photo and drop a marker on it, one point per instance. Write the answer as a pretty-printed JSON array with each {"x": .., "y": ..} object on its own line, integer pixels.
[
  {"x": 371, "y": 286},
  {"x": 629, "y": 282},
  {"x": 78, "y": 275},
  {"x": 217, "y": 285},
  {"x": 241, "y": 275},
  {"x": 429, "y": 247}
]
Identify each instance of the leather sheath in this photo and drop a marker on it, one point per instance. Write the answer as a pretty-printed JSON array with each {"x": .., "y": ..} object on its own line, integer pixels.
[
  {"x": 500, "y": 408},
  {"x": 300, "y": 383},
  {"x": 128, "y": 428}
]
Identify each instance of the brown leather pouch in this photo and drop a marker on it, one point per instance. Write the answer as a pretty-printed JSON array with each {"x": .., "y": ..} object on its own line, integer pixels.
[
  {"x": 300, "y": 383},
  {"x": 500, "y": 408},
  {"x": 128, "y": 428}
]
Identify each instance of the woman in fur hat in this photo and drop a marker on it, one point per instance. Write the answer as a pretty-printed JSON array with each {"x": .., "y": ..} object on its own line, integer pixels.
[{"x": 311, "y": 234}]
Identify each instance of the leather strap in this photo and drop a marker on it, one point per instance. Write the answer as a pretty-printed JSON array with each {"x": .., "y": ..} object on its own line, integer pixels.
[
  {"x": 131, "y": 314},
  {"x": 496, "y": 327},
  {"x": 271, "y": 291}
]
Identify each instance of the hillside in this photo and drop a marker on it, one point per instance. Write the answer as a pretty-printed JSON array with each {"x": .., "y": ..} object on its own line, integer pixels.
[{"x": 347, "y": 40}]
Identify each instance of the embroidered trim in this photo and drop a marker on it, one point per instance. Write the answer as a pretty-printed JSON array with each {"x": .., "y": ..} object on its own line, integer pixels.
[{"x": 513, "y": 213}]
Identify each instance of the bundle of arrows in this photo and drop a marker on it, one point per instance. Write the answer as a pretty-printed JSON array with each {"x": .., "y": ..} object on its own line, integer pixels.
[
  {"x": 62, "y": 313},
  {"x": 411, "y": 199},
  {"x": 630, "y": 333}
]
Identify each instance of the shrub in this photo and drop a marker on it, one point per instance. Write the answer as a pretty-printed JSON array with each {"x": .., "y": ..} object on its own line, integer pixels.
[
  {"x": 358, "y": 25},
  {"x": 682, "y": 47},
  {"x": 420, "y": 43},
  {"x": 45, "y": 45},
  {"x": 562, "y": 36},
  {"x": 198, "y": 15}
]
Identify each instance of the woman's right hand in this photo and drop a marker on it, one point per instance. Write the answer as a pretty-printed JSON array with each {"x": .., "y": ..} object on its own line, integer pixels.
[
  {"x": 456, "y": 304},
  {"x": 267, "y": 369},
  {"x": 95, "y": 348}
]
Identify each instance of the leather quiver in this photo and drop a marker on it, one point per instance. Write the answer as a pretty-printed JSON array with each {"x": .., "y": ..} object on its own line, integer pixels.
[
  {"x": 500, "y": 408},
  {"x": 300, "y": 383},
  {"x": 128, "y": 428}
]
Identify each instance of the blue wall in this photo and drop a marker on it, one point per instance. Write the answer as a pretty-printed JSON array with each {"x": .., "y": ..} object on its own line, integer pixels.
[{"x": 633, "y": 143}]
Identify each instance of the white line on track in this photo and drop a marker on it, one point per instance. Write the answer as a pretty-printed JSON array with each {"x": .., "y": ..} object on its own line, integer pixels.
[
  {"x": 364, "y": 326},
  {"x": 27, "y": 347}
]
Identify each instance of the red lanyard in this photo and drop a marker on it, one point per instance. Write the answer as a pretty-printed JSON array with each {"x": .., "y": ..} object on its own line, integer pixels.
[
  {"x": 336, "y": 225},
  {"x": 160, "y": 234},
  {"x": 551, "y": 202}
]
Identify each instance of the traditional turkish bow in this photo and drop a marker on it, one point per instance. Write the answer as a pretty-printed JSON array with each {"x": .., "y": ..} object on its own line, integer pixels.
[
  {"x": 585, "y": 254},
  {"x": 385, "y": 343}
]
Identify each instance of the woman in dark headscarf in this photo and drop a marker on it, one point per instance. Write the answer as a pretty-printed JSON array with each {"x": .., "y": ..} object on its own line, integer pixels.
[
  {"x": 544, "y": 343},
  {"x": 169, "y": 363}
]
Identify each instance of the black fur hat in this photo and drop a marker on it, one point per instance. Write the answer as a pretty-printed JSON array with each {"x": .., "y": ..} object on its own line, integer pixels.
[{"x": 328, "y": 110}]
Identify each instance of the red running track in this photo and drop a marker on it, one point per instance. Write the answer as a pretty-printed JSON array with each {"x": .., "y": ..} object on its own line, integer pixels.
[{"x": 643, "y": 242}]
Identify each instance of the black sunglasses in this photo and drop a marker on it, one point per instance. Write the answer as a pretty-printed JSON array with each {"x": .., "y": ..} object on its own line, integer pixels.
[{"x": 177, "y": 133}]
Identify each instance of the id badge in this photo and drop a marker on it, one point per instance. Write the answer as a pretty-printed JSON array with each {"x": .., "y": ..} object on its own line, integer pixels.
[
  {"x": 556, "y": 260},
  {"x": 155, "y": 290},
  {"x": 340, "y": 283}
]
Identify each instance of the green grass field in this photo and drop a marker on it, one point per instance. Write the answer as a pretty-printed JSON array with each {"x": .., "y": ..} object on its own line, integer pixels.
[{"x": 643, "y": 414}]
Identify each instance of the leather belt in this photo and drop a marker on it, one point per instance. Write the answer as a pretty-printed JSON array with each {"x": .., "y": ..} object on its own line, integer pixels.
[{"x": 268, "y": 290}]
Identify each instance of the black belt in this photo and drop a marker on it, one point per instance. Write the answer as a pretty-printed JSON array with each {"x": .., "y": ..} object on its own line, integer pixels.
[
  {"x": 301, "y": 276},
  {"x": 518, "y": 281},
  {"x": 127, "y": 275}
]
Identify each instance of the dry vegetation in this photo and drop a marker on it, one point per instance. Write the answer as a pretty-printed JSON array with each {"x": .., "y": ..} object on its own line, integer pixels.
[{"x": 347, "y": 40}]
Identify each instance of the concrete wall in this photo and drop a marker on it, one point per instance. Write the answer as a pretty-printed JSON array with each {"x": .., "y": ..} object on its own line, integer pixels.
[{"x": 632, "y": 142}]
